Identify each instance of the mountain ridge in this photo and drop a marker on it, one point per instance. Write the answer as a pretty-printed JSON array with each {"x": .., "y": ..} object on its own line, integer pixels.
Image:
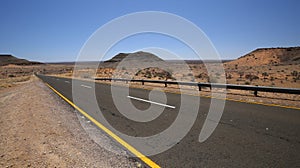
[
  {"x": 269, "y": 56},
  {"x": 6, "y": 59}
]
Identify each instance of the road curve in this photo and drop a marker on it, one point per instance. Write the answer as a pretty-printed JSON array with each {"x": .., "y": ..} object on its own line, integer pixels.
[{"x": 248, "y": 135}]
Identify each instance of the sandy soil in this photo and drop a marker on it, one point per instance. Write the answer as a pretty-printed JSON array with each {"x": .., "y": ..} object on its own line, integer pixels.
[{"x": 40, "y": 130}]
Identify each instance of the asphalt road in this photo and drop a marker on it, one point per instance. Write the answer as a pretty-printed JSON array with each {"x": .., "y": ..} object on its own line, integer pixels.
[{"x": 248, "y": 135}]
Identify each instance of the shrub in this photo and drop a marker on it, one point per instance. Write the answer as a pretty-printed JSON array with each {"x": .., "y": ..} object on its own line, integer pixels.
[
  {"x": 241, "y": 74},
  {"x": 229, "y": 76},
  {"x": 11, "y": 75},
  {"x": 251, "y": 77},
  {"x": 294, "y": 73},
  {"x": 190, "y": 74},
  {"x": 265, "y": 74},
  {"x": 202, "y": 75}
]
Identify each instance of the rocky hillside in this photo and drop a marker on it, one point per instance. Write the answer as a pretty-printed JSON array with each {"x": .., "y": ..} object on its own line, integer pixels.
[
  {"x": 137, "y": 56},
  {"x": 269, "y": 56},
  {"x": 9, "y": 59},
  {"x": 154, "y": 73}
]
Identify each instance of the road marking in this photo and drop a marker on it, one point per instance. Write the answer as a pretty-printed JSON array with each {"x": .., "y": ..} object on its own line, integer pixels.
[
  {"x": 205, "y": 96},
  {"x": 152, "y": 102},
  {"x": 86, "y": 86},
  {"x": 67, "y": 81},
  {"x": 211, "y": 97},
  {"x": 138, "y": 154}
]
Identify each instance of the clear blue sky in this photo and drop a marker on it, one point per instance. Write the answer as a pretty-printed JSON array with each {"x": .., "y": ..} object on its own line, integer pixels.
[{"x": 56, "y": 30}]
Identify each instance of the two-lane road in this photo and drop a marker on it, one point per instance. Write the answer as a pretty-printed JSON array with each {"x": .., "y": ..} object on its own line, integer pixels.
[{"x": 248, "y": 135}]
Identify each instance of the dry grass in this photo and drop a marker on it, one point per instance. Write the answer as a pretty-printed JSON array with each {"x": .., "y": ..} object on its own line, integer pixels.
[
  {"x": 11, "y": 75},
  {"x": 9, "y": 82}
]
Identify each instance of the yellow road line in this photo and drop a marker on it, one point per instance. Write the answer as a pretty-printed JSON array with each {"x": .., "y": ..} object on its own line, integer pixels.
[
  {"x": 138, "y": 154},
  {"x": 113, "y": 135}
]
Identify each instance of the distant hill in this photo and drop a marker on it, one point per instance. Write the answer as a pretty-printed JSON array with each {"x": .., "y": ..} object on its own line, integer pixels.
[
  {"x": 137, "y": 56},
  {"x": 269, "y": 56},
  {"x": 9, "y": 59}
]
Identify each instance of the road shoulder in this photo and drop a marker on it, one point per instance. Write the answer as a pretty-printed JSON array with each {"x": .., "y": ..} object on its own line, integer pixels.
[{"x": 40, "y": 130}]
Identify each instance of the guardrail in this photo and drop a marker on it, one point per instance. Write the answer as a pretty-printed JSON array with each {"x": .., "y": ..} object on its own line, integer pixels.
[{"x": 256, "y": 89}]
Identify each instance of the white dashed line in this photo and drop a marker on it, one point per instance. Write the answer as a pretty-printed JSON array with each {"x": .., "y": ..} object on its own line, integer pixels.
[
  {"x": 86, "y": 86},
  {"x": 152, "y": 102},
  {"x": 67, "y": 81}
]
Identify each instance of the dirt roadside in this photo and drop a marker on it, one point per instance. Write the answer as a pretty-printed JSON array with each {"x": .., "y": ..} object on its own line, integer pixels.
[{"x": 40, "y": 130}]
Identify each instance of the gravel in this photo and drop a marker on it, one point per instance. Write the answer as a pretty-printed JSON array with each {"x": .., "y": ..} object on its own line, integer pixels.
[{"x": 38, "y": 129}]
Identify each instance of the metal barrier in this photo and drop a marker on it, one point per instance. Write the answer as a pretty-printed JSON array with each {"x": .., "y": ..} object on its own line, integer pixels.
[{"x": 256, "y": 89}]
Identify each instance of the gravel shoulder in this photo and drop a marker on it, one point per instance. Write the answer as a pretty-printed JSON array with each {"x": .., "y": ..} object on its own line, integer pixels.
[{"x": 38, "y": 129}]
